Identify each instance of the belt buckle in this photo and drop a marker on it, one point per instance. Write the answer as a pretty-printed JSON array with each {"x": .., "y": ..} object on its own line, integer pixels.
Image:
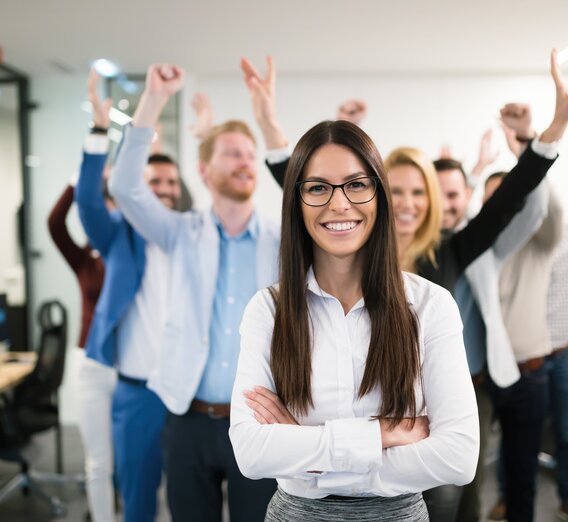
[{"x": 211, "y": 412}]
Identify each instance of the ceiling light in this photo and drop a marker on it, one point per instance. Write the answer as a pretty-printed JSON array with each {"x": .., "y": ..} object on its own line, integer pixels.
[
  {"x": 106, "y": 68},
  {"x": 123, "y": 104}
]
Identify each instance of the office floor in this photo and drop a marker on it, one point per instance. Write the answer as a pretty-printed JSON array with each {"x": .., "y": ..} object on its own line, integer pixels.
[{"x": 41, "y": 453}]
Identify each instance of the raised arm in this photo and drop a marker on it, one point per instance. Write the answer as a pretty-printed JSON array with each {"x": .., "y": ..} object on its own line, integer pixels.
[
  {"x": 203, "y": 115},
  {"x": 516, "y": 120},
  {"x": 508, "y": 199},
  {"x": 487, "y": 155},
  {"x": 263, "y": 98},
  {"x": 95, "y": 217},
  {"x": 57, "y": 225},
  {"x": 137, "y": 202}
]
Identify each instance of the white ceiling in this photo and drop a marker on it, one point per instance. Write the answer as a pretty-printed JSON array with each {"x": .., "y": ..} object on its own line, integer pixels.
[{"x": 304, "y": 36}]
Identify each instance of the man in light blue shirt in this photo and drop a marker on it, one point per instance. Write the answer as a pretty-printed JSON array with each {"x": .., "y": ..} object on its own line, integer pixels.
[{"x": 216, "y": 260}]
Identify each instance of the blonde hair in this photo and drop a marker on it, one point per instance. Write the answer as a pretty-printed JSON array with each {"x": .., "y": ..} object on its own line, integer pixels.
[
  {"x": 427, "y": 237},
  {"x": 207, "y": 146}
]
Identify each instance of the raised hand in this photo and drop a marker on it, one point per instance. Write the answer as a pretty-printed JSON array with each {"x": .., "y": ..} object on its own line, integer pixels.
[
  {"x": 101, "y": 109},
  {"x": 162, "y": 81},
  {"x": 560, "y": 120},
  {"x": 267, "y": 407},
  {"x": 263, "y": 98},
  {"x": 203, "y": 115},
  {"x": 518, "y": 117},
  {"x": 487, "y": 155},
  {"x": 515, "y": 146},
  {"x": 353, "y": 110},
  {"x": 164, "y": 78}
]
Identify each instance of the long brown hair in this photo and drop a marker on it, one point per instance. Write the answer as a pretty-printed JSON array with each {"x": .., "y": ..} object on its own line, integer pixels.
[{"x": 393, "y": 360}]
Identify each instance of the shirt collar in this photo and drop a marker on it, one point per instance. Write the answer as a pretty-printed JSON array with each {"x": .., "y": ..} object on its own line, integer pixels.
[{"x": 251, "y": 229}]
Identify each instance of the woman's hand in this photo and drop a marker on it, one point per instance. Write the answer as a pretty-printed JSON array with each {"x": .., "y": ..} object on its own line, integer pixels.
[
  {"x": 267, "y": 407},
  {"x": 404, "y": 433}
]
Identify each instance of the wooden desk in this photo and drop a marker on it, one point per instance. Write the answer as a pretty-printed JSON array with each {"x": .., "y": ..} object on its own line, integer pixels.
[{"x": 14, "y": 367}]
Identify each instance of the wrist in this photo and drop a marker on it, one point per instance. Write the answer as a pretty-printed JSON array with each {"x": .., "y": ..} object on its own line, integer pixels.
[
  {"x": 553, "y": 133},
  {"x": 99, "y": 129},
  {"x": 525, "y": 136}
]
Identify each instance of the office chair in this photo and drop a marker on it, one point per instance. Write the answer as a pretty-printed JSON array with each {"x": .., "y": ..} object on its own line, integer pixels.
[{"x": 34, "y": 408}]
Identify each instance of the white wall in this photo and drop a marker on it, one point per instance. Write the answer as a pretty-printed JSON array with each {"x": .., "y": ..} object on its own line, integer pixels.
[
  {"x": 11, "y": 185},
  {"x": 422, "y": 111}
]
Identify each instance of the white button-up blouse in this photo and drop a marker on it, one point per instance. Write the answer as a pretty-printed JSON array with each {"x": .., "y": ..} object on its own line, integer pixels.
[{"x": 337, "y": 437}]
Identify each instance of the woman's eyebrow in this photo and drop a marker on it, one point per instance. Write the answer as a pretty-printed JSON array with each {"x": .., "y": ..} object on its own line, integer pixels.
[{"x": 346, "y": 178}]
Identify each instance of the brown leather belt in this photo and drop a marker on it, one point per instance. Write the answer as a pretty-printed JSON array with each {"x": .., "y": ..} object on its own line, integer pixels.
[
  {"x": 531, "y": 365},
  {"x": 478, "y": 379},
  {"x": 214, "y": 410}
]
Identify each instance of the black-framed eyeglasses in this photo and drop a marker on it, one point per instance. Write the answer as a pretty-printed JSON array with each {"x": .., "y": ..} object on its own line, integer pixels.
[{"x": 319, "y": 193}]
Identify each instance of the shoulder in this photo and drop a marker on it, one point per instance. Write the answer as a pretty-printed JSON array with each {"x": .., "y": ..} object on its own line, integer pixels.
[
  {"x": 262, "y": 305},
  {"x": 429, "y": 300},
  {"x": 258, "y": 318}
]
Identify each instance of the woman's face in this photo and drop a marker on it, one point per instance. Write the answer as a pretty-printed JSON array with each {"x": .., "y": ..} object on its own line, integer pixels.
[
  {"x": 409, "y": 199},
  {"x": 339, "y": 228}
]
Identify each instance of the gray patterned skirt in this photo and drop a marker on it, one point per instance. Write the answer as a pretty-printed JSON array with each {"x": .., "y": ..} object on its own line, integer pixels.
[{"x": 404, "y": 508}]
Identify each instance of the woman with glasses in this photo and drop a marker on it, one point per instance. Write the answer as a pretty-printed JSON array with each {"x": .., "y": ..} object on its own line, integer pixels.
[{"x": 352, "y": 387}]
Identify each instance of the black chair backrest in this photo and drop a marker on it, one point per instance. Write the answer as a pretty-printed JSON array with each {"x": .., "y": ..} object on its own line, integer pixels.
[{"x": 48, "y": 373}]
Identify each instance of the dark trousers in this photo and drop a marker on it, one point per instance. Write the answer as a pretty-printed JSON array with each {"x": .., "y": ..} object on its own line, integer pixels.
[
  {"x": 557, "y": 364},
  {"x": 198, "y": 456},
  {"x": 470, "y": 503},
  {"x": 521, "y": 410},
  {"x": 462, "y": 504}
]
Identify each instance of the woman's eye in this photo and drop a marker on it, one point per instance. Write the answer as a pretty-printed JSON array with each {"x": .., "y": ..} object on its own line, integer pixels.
[
  {"x": 357, "y": 185},
  {"x": 317, "y": 188}
]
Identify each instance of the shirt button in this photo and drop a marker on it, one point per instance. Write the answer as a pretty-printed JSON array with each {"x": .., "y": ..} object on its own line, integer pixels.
[
  {"x": 230, "y": 300},
  {"x": 228, "y": 331}
]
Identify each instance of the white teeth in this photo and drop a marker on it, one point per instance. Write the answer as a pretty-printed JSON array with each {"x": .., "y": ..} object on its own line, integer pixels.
[
  {"x": 405, "y": 217},
  {"x": 341, "y": 226}
]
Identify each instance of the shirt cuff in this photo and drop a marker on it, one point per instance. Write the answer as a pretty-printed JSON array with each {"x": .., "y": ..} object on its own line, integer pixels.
[
  {"x": 548, "y": 150},
  {"x": 357, "y": 445},
  {"x": 96, "y": 144},
  {"x": 277, "y": 155}
]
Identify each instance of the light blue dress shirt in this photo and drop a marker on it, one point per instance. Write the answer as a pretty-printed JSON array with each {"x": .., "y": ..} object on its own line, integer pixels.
[{"x": 236, "y": 284}]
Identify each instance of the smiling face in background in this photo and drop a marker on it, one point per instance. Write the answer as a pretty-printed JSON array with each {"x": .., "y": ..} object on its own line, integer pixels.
[
  {"x": 163, "y": 179},
  {"x": 231, "y": 170},
  {"x": 409, "y": 199},
  {"x": 339, "y": 228},
  {"x": 455, "y": 197}
]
